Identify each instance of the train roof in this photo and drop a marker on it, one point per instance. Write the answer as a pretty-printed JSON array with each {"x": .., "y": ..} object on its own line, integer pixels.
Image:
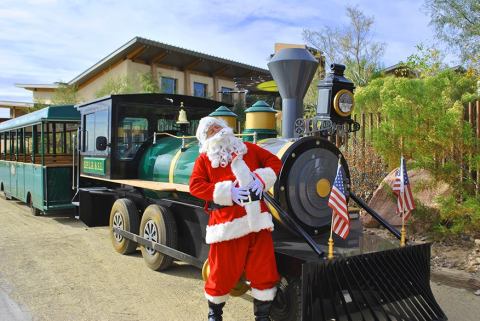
[
  {"x": 51, "y": 113},
  {"x": 195, "y": 106}
]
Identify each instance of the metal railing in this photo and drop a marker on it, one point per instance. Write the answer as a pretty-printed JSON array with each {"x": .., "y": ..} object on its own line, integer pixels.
[{"x": 183, "y": 137}]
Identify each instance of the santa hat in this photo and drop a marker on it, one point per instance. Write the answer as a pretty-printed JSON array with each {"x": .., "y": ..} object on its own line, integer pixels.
[{"x": 204, "y": 124}]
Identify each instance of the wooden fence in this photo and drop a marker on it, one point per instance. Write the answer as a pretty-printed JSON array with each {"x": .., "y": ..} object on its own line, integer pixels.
[{"x": 357, "y": 144}]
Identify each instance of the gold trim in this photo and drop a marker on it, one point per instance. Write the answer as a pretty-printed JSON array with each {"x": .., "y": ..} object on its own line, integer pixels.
[
  {"x": 152, "y": 185},
  {"x": 173, "y": 162},
  {"x": 323, "y": 187},
  {"x": 336, "y": 102},
  {"x": 270, "y": 191}
]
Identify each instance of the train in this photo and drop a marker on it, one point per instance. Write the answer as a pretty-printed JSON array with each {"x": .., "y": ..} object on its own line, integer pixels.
[{"x": 127, "y": 161}]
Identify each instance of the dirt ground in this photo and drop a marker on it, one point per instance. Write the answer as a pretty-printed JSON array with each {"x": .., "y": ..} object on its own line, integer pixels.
[{"x": 56, "y": 268}]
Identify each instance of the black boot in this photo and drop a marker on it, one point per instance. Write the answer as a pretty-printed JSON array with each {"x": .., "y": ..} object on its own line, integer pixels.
[
  {"x": 215, "y": 311},
  {"x": 261, "y": 310}
]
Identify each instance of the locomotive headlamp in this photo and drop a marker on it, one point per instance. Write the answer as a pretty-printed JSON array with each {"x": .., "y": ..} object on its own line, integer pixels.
[
  {"x": 334, "y": 107},
  {"x": 335, "y": 96}
]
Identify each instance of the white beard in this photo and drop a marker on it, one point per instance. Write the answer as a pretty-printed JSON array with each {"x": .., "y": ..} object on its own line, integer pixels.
[{"x": 221, "y": 146}]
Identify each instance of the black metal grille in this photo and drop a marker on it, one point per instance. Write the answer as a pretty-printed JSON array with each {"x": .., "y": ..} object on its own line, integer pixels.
[{"x": 387, "y": 285}]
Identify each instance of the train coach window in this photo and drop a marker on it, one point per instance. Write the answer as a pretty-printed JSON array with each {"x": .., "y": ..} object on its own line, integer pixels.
[{"x": 132, "y": 132}]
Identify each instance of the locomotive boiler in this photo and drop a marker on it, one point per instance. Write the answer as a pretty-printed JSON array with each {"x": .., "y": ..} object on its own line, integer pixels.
[{"x": 134, "y": 164}]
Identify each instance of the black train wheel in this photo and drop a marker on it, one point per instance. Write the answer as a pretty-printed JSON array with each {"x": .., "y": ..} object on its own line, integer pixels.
[
  {"x": 287, "y": 305},
  {"x": 158, "y": 225},
  {"x": 124, "y": 215}
]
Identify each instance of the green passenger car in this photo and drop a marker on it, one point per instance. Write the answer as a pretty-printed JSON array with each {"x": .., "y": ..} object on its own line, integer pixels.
[{"x": 36, "y": 158}]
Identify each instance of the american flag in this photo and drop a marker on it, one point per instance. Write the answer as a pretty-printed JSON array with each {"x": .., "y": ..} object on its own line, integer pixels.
[
  {"x": 401, "y": 188},
  {"x": 338, "y": 203}
]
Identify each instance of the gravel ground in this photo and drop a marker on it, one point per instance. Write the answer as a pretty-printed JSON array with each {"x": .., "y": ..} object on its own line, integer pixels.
[{"x": 55, "y": 268}]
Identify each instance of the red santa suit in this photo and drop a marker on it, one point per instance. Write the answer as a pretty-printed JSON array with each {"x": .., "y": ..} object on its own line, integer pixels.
[{"x": 239, "y": 237}]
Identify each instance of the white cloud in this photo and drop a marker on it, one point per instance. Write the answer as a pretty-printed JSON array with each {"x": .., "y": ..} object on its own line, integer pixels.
[{"x": 43, "y": 41}]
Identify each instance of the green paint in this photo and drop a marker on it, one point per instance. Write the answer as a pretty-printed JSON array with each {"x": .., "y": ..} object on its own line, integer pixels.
[{"x": 94, "y": 165}]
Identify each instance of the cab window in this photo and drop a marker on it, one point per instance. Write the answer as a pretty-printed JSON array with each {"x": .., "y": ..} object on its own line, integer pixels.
[{"x": 132, "y": 132}]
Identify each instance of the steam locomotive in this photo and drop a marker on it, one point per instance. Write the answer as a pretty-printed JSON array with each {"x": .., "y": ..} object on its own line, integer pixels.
[{"x": 132, "y": 168}]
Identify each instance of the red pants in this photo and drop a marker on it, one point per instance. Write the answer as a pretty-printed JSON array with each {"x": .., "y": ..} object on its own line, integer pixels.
[{"x": 252, "y": 254}]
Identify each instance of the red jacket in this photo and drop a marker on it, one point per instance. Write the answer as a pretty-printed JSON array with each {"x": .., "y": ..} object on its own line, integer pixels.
[{"x": 214, "y": 185}]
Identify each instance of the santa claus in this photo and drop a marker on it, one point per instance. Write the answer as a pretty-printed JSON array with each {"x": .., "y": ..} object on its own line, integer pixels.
[{"x": 230, "y": 176}]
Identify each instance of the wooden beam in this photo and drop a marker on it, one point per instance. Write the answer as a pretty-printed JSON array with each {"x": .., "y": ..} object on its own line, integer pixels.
[
  {"x": 135, "y": 53},
  {"x": 187, "y": 85},
  {"x": 215, "y": 88},
  {"x": 192, "y": 64},
  {"x": 220, "y": 71},
  {"x": 159, "y": 57}
]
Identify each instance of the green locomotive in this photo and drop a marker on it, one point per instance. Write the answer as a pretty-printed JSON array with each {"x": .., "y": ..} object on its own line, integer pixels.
[{"x": 132, "y": 169}]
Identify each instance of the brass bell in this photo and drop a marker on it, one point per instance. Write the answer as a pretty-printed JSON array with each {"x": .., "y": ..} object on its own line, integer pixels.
[{"x": 182, "y": 116}]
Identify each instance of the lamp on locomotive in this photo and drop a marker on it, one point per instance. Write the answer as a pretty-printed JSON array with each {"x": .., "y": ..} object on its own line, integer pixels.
[{"x": 335, "y": 96}]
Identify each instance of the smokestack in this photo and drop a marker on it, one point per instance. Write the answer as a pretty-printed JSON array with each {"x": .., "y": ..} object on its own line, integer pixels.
[{"x": 293, "y": 70}]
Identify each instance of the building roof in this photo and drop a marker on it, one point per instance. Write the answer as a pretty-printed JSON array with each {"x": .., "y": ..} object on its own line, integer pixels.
[
  {"x": 149, "y": 51},
  {"x": 37, "y": 86},
  {"x": 16, "y": 104}
]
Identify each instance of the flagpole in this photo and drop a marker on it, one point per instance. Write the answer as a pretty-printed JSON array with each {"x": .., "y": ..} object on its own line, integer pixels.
[
  {"x": 402, "y": 194},
  {"x": 330, "y": 240}
]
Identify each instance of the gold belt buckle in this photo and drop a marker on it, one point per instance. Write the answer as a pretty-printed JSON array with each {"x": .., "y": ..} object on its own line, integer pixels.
[{"x": 249, "y": 200}]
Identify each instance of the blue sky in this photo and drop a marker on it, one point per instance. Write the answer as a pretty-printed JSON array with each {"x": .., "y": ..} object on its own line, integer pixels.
[{"x": 43, "y": 41}]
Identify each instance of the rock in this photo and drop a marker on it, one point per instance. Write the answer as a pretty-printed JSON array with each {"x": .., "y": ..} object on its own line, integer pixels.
[
  {"x": 477, "y": 242},
  {"x": 471, "y": 269},
  {"x": 384, "y": 202},
  {"x": 477, "y": 292}
]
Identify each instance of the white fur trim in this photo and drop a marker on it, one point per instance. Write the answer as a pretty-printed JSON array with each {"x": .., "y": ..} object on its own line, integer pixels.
[
  {"x": 267, "y": 175},
  {"x": 222, "y": 194},
  {"x": 241, "y": 171},
  {"x": 216, "y": 299},
  {"x": 238, "y": 227},
  {"x": 264, "y": 295}
]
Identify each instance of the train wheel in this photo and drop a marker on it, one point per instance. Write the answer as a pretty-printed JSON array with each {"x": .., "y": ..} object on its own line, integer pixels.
[
  {"x": 287, "y": 305},
  {"x": 35, "y": 211},
  {"x": 159, "y": 226},
  {"x": 124, "y": 215}
]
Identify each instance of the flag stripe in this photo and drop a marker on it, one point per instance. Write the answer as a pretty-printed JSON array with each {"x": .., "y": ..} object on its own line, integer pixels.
[{"x": 338, "y": 203}]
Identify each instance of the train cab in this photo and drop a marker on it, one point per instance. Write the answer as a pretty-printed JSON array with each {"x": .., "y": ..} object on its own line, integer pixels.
[{"x": 115, "y": 129}]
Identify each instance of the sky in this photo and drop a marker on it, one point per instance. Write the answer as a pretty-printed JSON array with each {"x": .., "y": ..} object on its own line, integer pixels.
[{"x": 45, "y": 41}]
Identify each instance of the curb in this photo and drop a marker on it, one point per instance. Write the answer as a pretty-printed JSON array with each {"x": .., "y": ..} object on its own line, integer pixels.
[{"x": 455, "y": 278}]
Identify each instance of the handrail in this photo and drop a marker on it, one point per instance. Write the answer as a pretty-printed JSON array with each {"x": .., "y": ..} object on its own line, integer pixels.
[
  {"x": 73, "y": 161},
  {"x": 191, "y": 137},
  {"x": 375, "y": 215}
]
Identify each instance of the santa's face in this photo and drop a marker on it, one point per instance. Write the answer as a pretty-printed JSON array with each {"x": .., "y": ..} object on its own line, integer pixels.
[
  {"x": 221, "y": 144},
  {"x": 212, "y": 130}
]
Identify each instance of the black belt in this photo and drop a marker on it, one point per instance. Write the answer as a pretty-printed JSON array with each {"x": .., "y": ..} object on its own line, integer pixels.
[{"x": 253, "y": 197}]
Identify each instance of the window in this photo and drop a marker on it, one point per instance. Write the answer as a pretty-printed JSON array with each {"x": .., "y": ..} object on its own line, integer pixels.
[
  {"x": 8, "y": 147},
  {"x": 199, "y": 89},
  {"x": 132, "y": 132},
  {"x": 168, "y": 85},
  {"x": 28, "y": 140},
  {"x": 2, "y": 145},
  {"x": 227, "y": 96},
  {"x": 70, "y": 132},
  {"x": 96, "y": 125}
]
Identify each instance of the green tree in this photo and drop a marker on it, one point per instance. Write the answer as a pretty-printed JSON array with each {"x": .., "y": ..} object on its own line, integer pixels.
[
  {"x": 65, "y": 94},
  {"x": 141, "y": 83},
  {"x": 423, "y": 120},
  {"x": 457, "y": 22},
  {"x": 351, "y": 45}
]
